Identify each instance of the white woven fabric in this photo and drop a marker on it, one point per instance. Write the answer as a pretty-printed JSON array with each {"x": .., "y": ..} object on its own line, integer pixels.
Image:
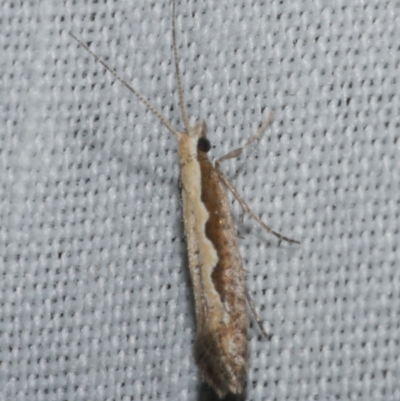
[{"x": 95, "y": 294}]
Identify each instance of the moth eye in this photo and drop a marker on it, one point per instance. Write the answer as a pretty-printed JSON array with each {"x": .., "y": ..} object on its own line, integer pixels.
[{"x": 203, "y": 144}]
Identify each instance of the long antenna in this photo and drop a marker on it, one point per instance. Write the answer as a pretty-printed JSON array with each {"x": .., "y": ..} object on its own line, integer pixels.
[
  {"x": 177, "y": 71},
  {"x": 133, "y": 90}
]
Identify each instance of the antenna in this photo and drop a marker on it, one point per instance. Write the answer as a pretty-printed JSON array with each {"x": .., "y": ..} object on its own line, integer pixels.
[
  {"x": 177, "y": 72},
  {"x": 131, "y": 89}
]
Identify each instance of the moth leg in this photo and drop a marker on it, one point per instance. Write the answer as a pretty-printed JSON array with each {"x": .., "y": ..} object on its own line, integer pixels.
[
  {"x": 257, "y": 318},
  {"x": 247, "y": 209},
  {"x": 237, "y": 152}
]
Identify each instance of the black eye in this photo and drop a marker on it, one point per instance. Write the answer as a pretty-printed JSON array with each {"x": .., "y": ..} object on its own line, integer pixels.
[{"x": 203, "y": 144}]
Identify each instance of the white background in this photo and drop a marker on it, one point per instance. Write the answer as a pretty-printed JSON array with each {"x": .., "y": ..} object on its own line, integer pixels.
[{"x": 95, "y": 295}]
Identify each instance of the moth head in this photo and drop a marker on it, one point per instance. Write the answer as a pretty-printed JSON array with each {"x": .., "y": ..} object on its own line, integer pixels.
[
  {"x": 193, "y": 142},
  {"x": 200, "y": 132}
]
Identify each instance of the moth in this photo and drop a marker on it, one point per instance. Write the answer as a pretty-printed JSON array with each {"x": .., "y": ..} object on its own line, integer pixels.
[{"x": 217, "y": 275}]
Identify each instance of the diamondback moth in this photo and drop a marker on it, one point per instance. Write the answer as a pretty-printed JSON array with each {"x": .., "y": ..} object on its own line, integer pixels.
[{"x": 221, "y": 344}]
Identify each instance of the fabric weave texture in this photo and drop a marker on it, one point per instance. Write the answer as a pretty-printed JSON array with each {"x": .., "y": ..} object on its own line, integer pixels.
[{"x": 95, "y": 293}]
